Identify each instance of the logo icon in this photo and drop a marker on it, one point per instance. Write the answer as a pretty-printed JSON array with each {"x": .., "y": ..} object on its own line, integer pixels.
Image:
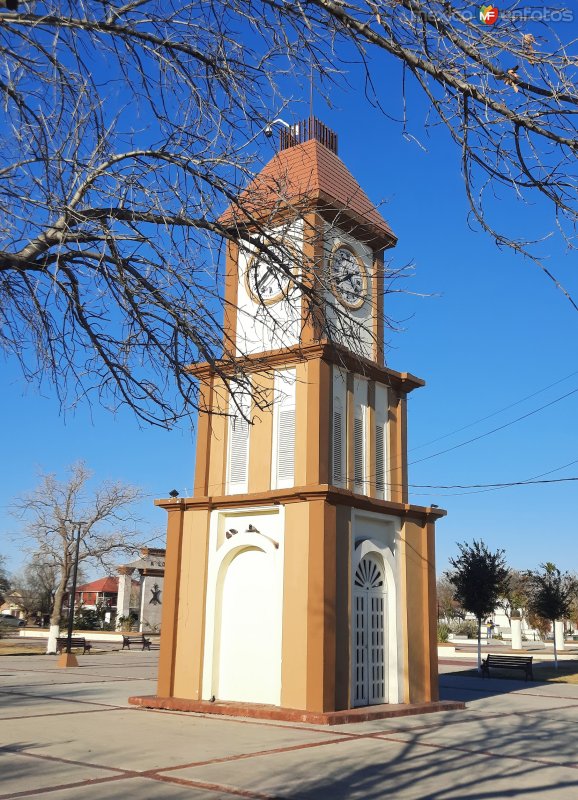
[{"x": 489, "y": 14}]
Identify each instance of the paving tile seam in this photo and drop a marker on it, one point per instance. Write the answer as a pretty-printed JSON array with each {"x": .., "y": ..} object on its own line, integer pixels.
[
  {"x": 481, "y": 753},
  {"x": 78, "y": 670},
  {"x": 69, "y": 700},
  {"x": 63, "y": 787},
  {"x": 255, "y": 754},
  {"x": 68, "y": 761},
  {"x": 90, "y": 679},
  {"x": 60, "y": 714},
  {"x": 354, "y": 734},
  {"x": 522, "y": 693},
  {"x": 213, "y": 787},
  {"x": 479, "y": 716}
]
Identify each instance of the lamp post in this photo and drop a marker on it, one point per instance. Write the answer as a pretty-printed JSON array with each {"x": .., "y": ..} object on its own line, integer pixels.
[{"x": 68, "y": 659}]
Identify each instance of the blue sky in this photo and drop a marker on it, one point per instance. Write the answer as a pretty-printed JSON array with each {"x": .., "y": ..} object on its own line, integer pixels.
[{"x": 492, "y": 331}]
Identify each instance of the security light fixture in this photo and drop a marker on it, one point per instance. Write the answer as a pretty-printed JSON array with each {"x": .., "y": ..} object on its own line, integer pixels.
[{"x": 268, "y": 129}]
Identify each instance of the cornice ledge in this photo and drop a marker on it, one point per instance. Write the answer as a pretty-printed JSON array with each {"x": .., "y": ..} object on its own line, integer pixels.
[
  {"x": 327, "y": 351},
  {"x": 323, "y": 491}
]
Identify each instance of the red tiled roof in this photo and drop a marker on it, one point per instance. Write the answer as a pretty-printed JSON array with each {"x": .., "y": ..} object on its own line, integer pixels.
[
  {"x": 100, "y": 585},
  {"x": 304, "y": 175}
]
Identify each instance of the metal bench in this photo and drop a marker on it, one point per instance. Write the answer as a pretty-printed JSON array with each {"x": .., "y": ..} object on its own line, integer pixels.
[
  {"x": 523, "y": 663},
  {"x": 75, "y": 641},
  {"x": 142, "y": 640}
]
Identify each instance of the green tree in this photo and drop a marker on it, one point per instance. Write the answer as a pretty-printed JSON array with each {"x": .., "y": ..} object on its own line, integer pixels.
[
  {"x": 479, "y": 578},
  {"x": 551, "y": 595}
]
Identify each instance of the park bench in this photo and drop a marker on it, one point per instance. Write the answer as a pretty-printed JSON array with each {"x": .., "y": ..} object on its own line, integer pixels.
[
  {"x": 75, "y": 641},
  {"x": 508, "y": 662},
  {"x": 142, "y": 640}
]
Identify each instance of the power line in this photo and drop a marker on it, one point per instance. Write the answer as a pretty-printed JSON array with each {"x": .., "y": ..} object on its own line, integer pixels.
[
  {"x": 491, "y": 485},
  {"x": 493, "y": 414},
  {"x": 494, "y": 430}
]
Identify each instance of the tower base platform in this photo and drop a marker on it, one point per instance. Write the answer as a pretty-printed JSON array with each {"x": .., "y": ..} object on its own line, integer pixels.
[{"x": 256, "y": 711}]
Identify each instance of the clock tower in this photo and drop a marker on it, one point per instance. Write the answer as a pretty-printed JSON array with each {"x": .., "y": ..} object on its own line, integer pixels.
[{"x": 299, "y": 577}]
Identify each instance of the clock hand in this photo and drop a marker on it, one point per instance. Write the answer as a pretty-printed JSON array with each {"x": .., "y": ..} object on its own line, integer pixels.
[{"x": 263, "y": 279}]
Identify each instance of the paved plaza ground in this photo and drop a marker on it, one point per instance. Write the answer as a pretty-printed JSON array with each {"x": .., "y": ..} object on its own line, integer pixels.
[{"x": 69, "y": 733}]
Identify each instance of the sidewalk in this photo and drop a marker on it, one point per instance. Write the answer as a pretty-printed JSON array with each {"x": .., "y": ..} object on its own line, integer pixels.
[{"x": 69, "y": 734}]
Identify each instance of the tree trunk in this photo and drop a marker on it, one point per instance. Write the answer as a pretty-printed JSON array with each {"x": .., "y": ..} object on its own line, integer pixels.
[
  {"x": 479, "y": 644},
  {"x": 555, "y": 649},
  {"x": 56, "y": 613}
]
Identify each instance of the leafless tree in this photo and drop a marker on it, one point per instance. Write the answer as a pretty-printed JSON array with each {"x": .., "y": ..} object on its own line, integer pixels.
[
  {"x": 56, "y": 511},
  {"x": 515, "y": 600},
  {"x": 448, "y": 607},
  {"x": 4, "y": 580},
  {"x": 128, "y": 127}
]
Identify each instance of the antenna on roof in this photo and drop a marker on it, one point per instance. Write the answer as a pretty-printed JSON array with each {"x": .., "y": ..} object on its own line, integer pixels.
[{"x": 311, "y": 90}]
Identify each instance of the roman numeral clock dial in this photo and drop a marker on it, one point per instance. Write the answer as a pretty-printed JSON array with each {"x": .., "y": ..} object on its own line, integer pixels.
[
  {"x": 266, "y": 279},
  {"x": 347, "y": 276}
]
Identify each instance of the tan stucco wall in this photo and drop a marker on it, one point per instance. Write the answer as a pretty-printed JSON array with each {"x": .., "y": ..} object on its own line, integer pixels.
[
  {"x": 295, "y": 601},
  {"x": 315, "y": 670},
  {"x": 170, "y": 603},
  {"x": 183, "y": 620},
  {"x": 418, "y": 608},
  {"x": 219, "y": 424},
  {"x": 343, "y": 552},
  {"x": 191, "y": 609},
  {"x": 321, "y": 608},
  {"x": 261, "y": 434},
  {"x": 397, "y": 439}
]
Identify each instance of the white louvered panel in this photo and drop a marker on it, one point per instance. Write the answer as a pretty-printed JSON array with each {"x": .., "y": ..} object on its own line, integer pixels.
[
  {"x": 286, "y": 445},
  {"x": 238, "y": 465},
  {"x": 380, "y": 457},
  {"x": 337, "y": 447},
  {"x": 376, "y": 649},
  {"x": 369, "y": 635},
  {"x": 359, "y": 454},
  {"x": 360, "y": 666},
  {"x": 381, "y": 461},
  {"x": 283, "y": 452}
]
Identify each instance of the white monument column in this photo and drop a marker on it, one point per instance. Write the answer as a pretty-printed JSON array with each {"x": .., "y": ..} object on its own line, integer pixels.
[
  {"x": 559, "y": 629},
  {"x": 124, "y": 590},
  {"x": 516, "y": 625}
]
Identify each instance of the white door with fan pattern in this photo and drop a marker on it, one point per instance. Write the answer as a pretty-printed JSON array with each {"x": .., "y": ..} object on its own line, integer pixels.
[{"x": 369, "y": 635}]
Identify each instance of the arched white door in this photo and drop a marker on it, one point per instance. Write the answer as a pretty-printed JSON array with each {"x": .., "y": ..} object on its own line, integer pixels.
[
  {"x": 249, "y": 656},
  {"x": 369, "y": 635}
]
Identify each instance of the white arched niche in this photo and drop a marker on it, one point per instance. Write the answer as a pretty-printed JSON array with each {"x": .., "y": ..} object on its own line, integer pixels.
[
  {"x": 243, "y": 622},
  {"x": 376, "y": 540}
]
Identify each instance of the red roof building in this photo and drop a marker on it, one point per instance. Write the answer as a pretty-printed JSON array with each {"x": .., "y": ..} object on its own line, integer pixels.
[{"x": 103, "y": 591}]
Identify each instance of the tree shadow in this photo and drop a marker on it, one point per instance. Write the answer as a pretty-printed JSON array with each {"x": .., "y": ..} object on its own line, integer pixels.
[{"x": 514, "y": 758}]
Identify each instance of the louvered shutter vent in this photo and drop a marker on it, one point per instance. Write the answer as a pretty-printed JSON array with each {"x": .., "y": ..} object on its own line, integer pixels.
[
  {"x": 358, "y": 454},
  {"x": 239, "y": 447},
  {"x": 379, "y": 458},
  {"x": 337, "y": 447},
  {"x": 286, "y": 444}
]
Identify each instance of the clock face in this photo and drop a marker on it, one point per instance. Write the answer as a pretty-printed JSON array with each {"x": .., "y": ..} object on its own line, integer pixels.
[
  {"x": 266, "y": 279},
  {"x": 348, "y": 278}
]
